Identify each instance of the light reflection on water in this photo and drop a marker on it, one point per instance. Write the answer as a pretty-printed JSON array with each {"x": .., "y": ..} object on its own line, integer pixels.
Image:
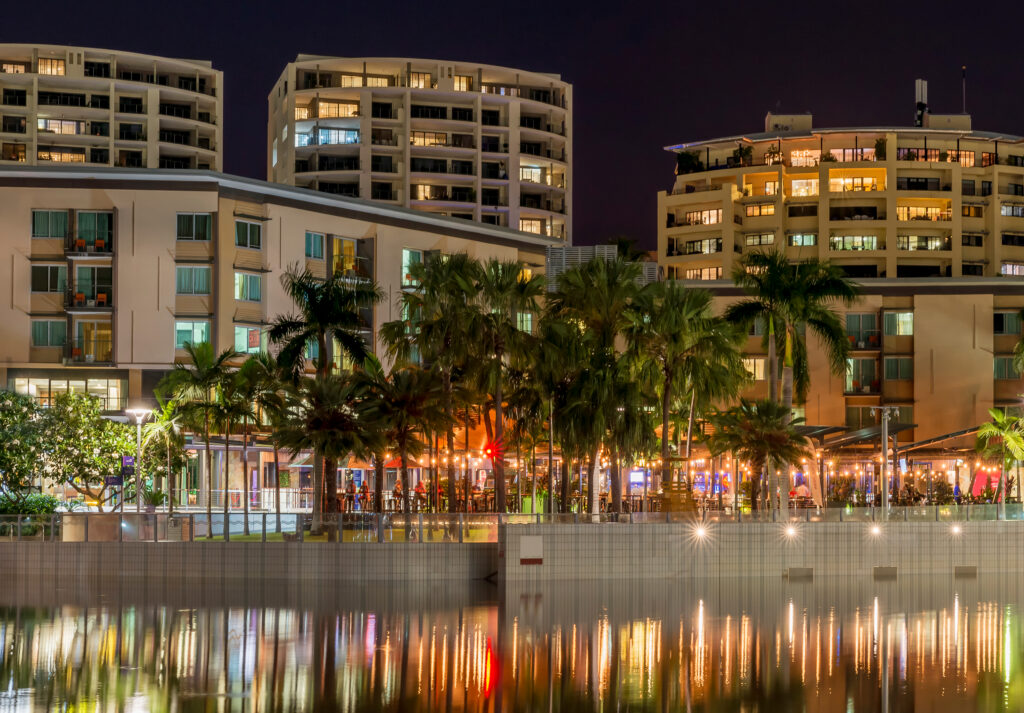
[{"x": 833, "y": 646}]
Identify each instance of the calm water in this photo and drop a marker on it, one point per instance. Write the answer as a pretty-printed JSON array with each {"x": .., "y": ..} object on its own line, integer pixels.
[{"x": 917, "y": 645}]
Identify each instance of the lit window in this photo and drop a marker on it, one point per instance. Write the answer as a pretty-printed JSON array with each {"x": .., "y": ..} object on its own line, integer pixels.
[
  {"x": 755, "y": 367},
  {"x": 899, "y": 324},
  {"x": 248, "y": 234},
  {"x": 11, "y": 68},
  {"x": 336, "y": 110},
  {"x": 330, "y": 137},
  {"x": 801, "y": 240},
  {"x": 703, "y": 247},
  {"x": 1012, "y": 268},
  {"x": 853, "y": 242},
  {"x": 301, "y": 113},
  {"x": 530, "y": 173},
  {"x": 853, "y": 183},
  {"x": 273, "y": 154},
  {"x": 49, "y": 224},
  {"x": 531, "y": 225},
  {"x": 899, "y": 368},
  {"x": 1004, "y": 368},
  {"x": 248, "y": 288},
  {"x": 248, "y": 340},
  {"x": 804, "y": 157},
  {"x": 1004, "y": 323},
  {"x": 351, "y": 80},
  {"x": 191, "y": 332},
  {"x": 759, "y": 239},
  {"x": 758, "y": 209},
  {"x": 410, "y": 258},
  {"x": 803, "y": 187},
  {"x": 377, "y": 81},
  {"x": 703, "y": 217},
  {"x": 703, "y": 273},
  {"x": 419, "y": 80},
  {"x": 54, "y": 67},
  {"x": 463, "y": 82},
  {"x": 344, "y": 255},
  {"x": 314, "y": 245},
  {"x": 524, "y": 320},
  {"x": 193, "y": 279},
  {"x": 194, "y": 226},
  {"x": 919, "y": 212},
  {"x": 60, "y": 126},
  {"x": 49, "y": 333}
]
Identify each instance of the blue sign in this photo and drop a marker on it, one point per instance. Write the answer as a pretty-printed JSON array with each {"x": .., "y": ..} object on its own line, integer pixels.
[
  {"x": 127, "y": 461},
  {"x": 113, "y": 480}
]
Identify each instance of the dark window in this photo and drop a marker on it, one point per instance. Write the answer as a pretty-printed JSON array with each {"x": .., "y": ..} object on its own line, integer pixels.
[
  {"x": 61, "y": 99},
  {"x": 175, "y": 162},
  {"x": 463, "y": 168},
  {"x": 915, "y": 183},
  {"x": 382, "y": 192},
  {"x": 382, "y": 137},
  {"x": 182, "y": 111},
  {"x": 489, "y": 169},
  {"x": 130, "y": 105},
  {"x": 187, "y": 83},
  {"x": 382, "y": 164},
  {"x": 381, "y": 110},
  {"x": 176, "y": 137},
  {"x": 918, "y": 271},
  {"x": 131, "y": 132},
  {"x": 428, "y": 165},
  {"x": 13, "y": 125},
  {"x": 491, "y": 219},
  {"x": 490, "y": 117},
  {"x": 1012, "y": 240},
  {"x": 14, "y": 97},
  {"x": 968, "y": 186},
  {"x": 129, "y": 159},
  {"x": 490, "y": 196},
  {"x": 859, "y": 270},
  {"x": 463, "y": 194},
  {"x": 1015, "y": 189},
  {"x": 803, "y": 211},
  {"x": 99, "y": 128},
  {"x": 350, "y": 190},
  {"x": 530, "y": 122},
  {"x": 461, "y": 114},
  {"x": 99, "y": 156},
  {"x": 422, "y": 111},
  {"x": 96, "y": 69},
  {"x": 99, "y": 101},
  {"x": 339, "y": 163},
  {"x": 986, "y": 187},
  {"x": 490, "y": 144},
  {"x": 531, "y": 147},
  {"x": 971, "y": 240},
  {"x": 972, "y": 270},
  {"x": 853, "y": 212}
]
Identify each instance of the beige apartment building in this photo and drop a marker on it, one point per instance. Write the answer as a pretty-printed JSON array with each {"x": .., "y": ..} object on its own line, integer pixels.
[
  {"x": 80, "y": 105},
  {"x": 109, "y": 273},
  {"x": 929, "y": 220},
  {"x": 473, "y": 141}
]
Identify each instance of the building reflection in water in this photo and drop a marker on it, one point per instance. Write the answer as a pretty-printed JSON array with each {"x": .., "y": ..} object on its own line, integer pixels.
[{"x": 956, "y": 655}]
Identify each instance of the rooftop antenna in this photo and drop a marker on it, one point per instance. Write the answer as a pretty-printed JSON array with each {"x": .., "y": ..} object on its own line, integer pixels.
[
  {"x": 921, "y": 99},
  {"x": 963, "y": 86}
]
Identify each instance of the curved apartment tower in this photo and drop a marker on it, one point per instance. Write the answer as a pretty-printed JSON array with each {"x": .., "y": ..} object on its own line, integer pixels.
[
  {"x": 472, "y": 141},
  {"x": 79, "y": 105}
]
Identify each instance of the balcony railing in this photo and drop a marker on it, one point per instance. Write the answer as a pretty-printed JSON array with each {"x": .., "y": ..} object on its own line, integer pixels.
[
  {"x": 101, "y": 246},
  {"x": 865, "y": 339},
  {"x": 131, "y": 108},
  {"x": 89, "y": 351},
  {"x": 95, "y": 297}
]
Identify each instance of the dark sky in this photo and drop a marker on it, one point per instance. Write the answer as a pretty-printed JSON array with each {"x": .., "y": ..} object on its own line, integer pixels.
[{"x": 645, "y": 74}]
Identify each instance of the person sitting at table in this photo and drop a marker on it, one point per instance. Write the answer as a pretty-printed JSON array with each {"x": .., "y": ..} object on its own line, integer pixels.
[
  {"x": 421, "y": 495},
  {"x": 364, "y": 496},
  {"x": 398, "y": 494}
]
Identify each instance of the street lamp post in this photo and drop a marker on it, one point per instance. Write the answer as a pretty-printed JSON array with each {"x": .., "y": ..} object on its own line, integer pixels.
[
  {"x": 140, "y": 415},
  {"x": 886, "y": 412}
]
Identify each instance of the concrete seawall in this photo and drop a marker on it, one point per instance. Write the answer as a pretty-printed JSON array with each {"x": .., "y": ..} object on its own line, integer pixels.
[
  {"x": 556, "y": 552},
  {"x": 540, "y": 552}
]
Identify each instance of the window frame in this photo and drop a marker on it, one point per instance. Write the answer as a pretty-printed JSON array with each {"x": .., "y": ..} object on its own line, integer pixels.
[
  {"x": 49, "y": 333},
  {"x": 904, "y": 368},
  {"x": 323, "y": 240},
  {"x": 49, "y": 267},
  {"x": 192, "y": 268},
  {"x": 248, "y": 241},
  {"x": 898, "y": 322},
  {"x": 193, "y": 238},
  {"x": 193, "y": 323},
  {"x": 50, "y": 213},
  {"x": 248, "y": 278}
]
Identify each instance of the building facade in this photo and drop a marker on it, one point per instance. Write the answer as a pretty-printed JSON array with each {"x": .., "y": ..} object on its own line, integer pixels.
[
  {"x": 111, "y": 272},
  {"x": 928, "y": 220},
  {"x": 79, "y": 105},
  {"x": 479, "y": 142}
]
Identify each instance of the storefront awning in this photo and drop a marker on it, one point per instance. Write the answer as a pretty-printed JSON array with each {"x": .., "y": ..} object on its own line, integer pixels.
[{"x": 866, "y": 435}]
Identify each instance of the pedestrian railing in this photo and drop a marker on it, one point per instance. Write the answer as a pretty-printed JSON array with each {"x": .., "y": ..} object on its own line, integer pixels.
[{"x": 430, "y": 527}]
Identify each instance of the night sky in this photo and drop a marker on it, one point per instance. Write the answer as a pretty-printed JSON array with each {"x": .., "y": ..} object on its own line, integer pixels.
[{"x": 645, "y": 74}]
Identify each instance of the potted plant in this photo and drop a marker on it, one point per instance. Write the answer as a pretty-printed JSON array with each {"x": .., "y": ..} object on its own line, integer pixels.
[
  {"x": 880, "y": 148},
  {"x": 688, "y": 162},
  {"x": 741, "y": 155},
  {"x": 153, "y": 499},
  {"x": 943, "y": 156},
  {"x": 827, "y": 157}
]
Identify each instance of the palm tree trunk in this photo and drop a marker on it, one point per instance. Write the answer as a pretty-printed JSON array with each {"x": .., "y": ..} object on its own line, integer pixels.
[
  {"x": 209, "y": 476},
  {"x": 378, "y": 482},
  {"x": 449, "y": 439},
  {"x": 666, "y": 402},
  {"x": 787, "y": 400},
  {"x": 773, "y": 361},
  {"x": 533, "y": 476},
  {"x": 317, "y": 526},
  {"x": 170, "y": 478},
  {"x": 227, "y": 469},
  {"x": 500, "y": 504},
  {"x": 567, "y": 471},
  {"x": 331, "y": 497},
  {"x": 245, "y": 475},
  {"x": 616, "y": 482},
  {"x": 277, "y": 485},
  {"x": 592, "y": 483},
  {"x": 404, "y": 455},
  {"x": 687, "y": 493}
]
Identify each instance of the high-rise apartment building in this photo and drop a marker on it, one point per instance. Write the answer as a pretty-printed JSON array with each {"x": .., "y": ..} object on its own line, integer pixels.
[
  {"x": 79, "y": 105},
  {"x": 928, "y": 220},
  {"x": 479, "y": 142}
]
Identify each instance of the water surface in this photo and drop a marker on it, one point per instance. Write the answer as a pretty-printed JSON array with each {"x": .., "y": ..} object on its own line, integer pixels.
[{"x": 744, "y": 645}]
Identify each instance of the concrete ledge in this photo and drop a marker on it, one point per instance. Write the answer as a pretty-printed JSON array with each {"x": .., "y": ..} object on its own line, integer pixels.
[
  {"x": 799, "y": 573},
  {"x": 965, "y": 572},
  {"x": 883, "y": 572}
]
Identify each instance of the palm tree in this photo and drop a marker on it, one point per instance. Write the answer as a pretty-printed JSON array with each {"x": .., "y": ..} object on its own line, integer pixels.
[
  {"x": 330, "y": 311},
  {"x": 682, "y": 346},
  {"x": 598, "y": 297},
  {"x": 506, "y": 291},
  {"x": 760, "y": 432},
  {"x": 1004, "y": 434},
  {"x": 439, "y": 310},
  {"x": 329, "y": 418},
  {"x": 273, "y": 379},
  {"x": 796, "y": 298},
  {"x": 166, "y": 428},
  {"x": 230, "y": 409},
  {"x": 256, "y": 388},
  {"x": 193, "y": 385},
  {"x": 404, "y": 405}
]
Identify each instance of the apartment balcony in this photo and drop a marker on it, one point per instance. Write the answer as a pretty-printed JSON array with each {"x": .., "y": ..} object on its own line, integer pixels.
[
  {"x": 855, "y": 387},
  {"x": 88, "y": 352},
  {"x": 131, "y": 108},
  {"x": 88, "y": 247},
  {"x": 865, "y": 340},
  {"x": 97, "y": 298},
  {"x": 528, "y": 201}
]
